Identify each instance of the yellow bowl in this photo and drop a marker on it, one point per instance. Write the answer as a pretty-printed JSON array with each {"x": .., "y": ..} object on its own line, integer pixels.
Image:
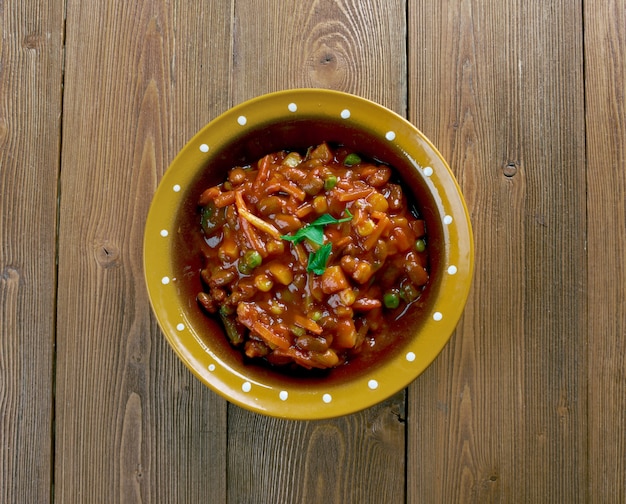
[{"x": 296, "y": 119}]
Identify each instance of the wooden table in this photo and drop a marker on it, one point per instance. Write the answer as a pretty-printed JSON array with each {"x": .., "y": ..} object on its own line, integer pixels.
[{"x": 527, "y": 404}]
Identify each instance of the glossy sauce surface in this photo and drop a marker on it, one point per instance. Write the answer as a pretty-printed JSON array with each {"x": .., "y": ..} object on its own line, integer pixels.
[{"x": 309, "y": 256}]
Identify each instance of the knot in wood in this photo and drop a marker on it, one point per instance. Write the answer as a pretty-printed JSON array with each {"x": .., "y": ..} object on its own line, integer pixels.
[
  {"x": 510, "y": 169},
  {"x": 107, "y": 255}
]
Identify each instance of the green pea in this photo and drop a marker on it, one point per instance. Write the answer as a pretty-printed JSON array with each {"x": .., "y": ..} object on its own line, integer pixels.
[
  {"x": 391, "y": 300},
  {"x": 330, "y": 182},
  {"x": 250, "y": 260},
  {"x": 420, "y": 245},
  {"x": 352, "y": 159}
]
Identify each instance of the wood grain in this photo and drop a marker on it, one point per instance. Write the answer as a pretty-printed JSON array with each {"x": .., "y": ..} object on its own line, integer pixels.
[
  {"x": 357, "y": 458},
  {"x": 31, "y": 64},
  {"x": 525, "y": 99},
  {"x": 356, "y": 47},
  {"x": 605, "y": 82},
  {"x": 132, "y": 423},
  {"x": 348, "y": 45},
  {"x": 501, "y": 416}
]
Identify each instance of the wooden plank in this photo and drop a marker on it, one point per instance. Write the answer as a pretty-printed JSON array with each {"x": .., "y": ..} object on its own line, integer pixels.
[
  {"x": 356, "y": 458},
  {"x": 133, "y": 424},
  {"x": 501, "y": 415},
  {"x": 605, "y": 79},
  {"x": 351, "y": 47},
  {"x": 31, "y": 66}
]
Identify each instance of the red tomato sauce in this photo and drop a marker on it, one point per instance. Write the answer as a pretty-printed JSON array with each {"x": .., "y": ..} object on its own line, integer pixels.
[{"x": 308, "y": 257}]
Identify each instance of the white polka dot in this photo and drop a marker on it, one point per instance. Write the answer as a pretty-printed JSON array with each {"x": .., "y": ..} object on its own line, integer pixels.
[
  {"x": 242, "y": 120},
  {"x": 390, "y": 135},
  {"x": 164, "y": 233},
  {"x": 292, "y": 107},
  {"x": 327, "y": 398},
  {"x": 345, "y": 114},
  {"x": 211, "y": 367},
  {"x": 165, "y": 280},
  {"x": 410, "y": 356},
  {"x": 176, "y": 188},
  {"x": 452, "y": 270},
  {"x": 180, "y": 327},
  {"x": 428, "y": 171},
  {"x": 447, "y": 219},
  {"x": 372, "y": 384},
  {"x": 246, "y": 387},
  {"x": 437, "y": 316},
  {"x": 283, "y": 395},
  {"x": 204, "y": 148}
]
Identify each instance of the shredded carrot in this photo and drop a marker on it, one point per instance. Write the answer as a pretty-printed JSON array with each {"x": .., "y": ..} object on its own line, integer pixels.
[
  {"x": 304, "y": 210},
  {"x": 353, "y": 195},
  {"x": 287, "y": 187},
  {"x": 263, "y": 173},
  {"x": 253, "y": 239},
  {"x": 366, "y": 304},
  {"x": 342, "y": 242},
  {"x": 307, "y": 324},
  {"x": 224, "y": 199},
  {"x": 382, "y": 223},
  {"x": 253, "y": 219},
  {"x": 270, "y": 336}
]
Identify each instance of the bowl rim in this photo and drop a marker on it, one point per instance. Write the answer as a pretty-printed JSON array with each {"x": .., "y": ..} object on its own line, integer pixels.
[{"x": 323, "y": 400}]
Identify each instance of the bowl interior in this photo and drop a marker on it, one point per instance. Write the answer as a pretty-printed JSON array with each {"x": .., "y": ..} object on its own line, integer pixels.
[{"x": 242, "y": 136}]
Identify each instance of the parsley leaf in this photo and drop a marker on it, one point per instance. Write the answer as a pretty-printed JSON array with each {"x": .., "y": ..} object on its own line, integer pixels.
[
  {"x": 314, "y": 231},
  {"x": 319, "y": 259},
  {"x": 325, "y": 219}
]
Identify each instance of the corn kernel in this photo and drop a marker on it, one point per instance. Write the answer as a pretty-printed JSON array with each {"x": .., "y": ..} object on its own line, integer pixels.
[
  {"x": 365, "y": 227},
  {"x": 378, "y": 202},
  {"x": 263, "y": 282},
  {"x": 320, "y": 205}
]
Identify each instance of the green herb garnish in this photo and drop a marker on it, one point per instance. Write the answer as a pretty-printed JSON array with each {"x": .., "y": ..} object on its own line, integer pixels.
[
  {"x": 314, "y": 231},
  {"x": 319, "y": 259}
]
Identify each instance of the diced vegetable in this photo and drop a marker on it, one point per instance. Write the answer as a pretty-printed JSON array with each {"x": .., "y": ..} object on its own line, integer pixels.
[
  {"x": 352, "y": 159},
  {"x": 391, "y": 299},
  {"x": 304, "y": 254},
  {"x": 250, "y": 260},
  {"x": 334, "y": 280},
  {"x": 330, "y": 182},
  {"x": 212, "y": 218}
]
